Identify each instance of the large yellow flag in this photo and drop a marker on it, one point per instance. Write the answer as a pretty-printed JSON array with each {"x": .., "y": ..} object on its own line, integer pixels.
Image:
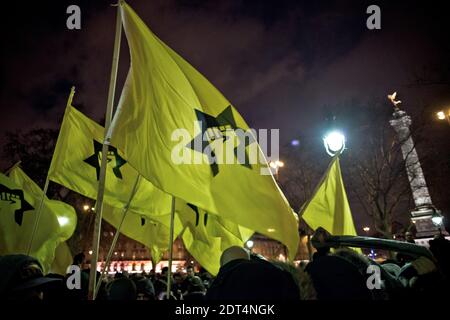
[
  {"x": 20, "y": 199},
  {"x": 328, "y": 208},
  {"x": 165, "y": 110}
]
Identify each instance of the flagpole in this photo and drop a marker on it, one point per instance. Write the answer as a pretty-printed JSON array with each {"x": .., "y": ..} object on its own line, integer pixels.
[
  {"x": 102, "y": 178},
  {"x": 44, "y": 192},
  {"x": 308, "y": 245},
  {"x": 38, "y": 215},
  {"x": 169, "y": 273},
  {"x": 116, "y": 236}
]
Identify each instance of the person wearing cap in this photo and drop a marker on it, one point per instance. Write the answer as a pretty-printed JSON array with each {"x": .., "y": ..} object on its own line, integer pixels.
[{"x": 22, "y": 278}]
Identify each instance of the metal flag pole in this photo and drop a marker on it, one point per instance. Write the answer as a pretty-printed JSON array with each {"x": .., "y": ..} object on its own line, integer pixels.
[
  {"x": 116, "y": 236},
  {"x": 308, "y": 245},
  {"x": 102, "y": 178},
  {"x": 169, "y": 273}
]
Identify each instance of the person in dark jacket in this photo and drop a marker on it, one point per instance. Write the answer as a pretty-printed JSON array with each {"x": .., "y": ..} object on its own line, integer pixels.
[{"x": 241, "y": 278}]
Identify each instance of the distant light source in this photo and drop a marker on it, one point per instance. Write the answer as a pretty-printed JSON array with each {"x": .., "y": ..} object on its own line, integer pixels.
[
  {"x": 437, "y": 219},
  {"x": 86, "y": 207},
  {"x": 90, "y": 251},
  {"x": 270, "y": 230},
  {"x": 295, "y": 143},
  {"x": 334, "y": 142},
  {"x": 63, "y": 221},
  {"x": 440, "y": 115},
  {"x": 249, "y": 244},
  {"x": 276, "y": 164},
  {"x": 366, "y": 229}
]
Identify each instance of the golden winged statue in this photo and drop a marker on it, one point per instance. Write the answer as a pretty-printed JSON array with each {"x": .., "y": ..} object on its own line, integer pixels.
[{"x": 392, "y": 98}]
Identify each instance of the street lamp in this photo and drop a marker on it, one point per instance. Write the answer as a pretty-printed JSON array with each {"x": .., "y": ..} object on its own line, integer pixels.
[
  {"x": 443, "y": 115},
  {"x": 440, "y": 115},
  {"x": 334, "y": 142},
  {"x": 437, "y": 219},
  {"x": 276, "y": 165}
]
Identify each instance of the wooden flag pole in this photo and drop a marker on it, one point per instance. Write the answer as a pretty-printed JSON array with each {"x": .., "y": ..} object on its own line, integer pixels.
[
  {"x": 102, "y": 178},
  {"x": 38, "y": 215},
  {"x": 116, "y": 236},
  {"x": 169, "y": 273}
]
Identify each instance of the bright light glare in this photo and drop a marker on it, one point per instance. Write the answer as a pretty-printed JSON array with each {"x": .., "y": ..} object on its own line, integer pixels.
[
  {"x": 334, "y": 142},
  {"x": 86, "y": 207},
  {"x": 366, "y": 229},
  {"x": 276, "y": 164},
  {"x": 437, "y": 220},
  {"x": 295, "y": 143},
  {"x": 440, "y": 115},
  {"x": 249, "y": 244},
  {"x": 63, "y": 221}
]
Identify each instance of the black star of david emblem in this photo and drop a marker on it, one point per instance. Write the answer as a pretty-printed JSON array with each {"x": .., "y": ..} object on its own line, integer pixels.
[
  {"x": 215, "y": 127},
  {"x": 94, "y": 160},
  {"x": 13, "y": 196}
]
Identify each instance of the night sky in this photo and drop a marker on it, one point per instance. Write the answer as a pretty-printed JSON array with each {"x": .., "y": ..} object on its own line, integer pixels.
[{"x": 281, "y": 63}]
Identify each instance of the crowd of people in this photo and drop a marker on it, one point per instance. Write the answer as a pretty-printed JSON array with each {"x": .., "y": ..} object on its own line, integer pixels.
[{"x": 341, "y": 274}]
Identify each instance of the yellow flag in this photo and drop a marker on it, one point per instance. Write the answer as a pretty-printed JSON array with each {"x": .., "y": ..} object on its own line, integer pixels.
[
  {"x": 165, "y": 110},
  {"x": 328, "y": 208},
  {"x": 63, "y": 259},
  {"x": 206, "y": 235},
  {"x": 154, "y": 234},
  {"x": 76, "y": 165},
  {"x": 20, "y": 199}
]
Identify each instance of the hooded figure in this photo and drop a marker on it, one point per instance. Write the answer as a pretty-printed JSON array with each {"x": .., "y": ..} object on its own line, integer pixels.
[{"x": 22, "y": 278}]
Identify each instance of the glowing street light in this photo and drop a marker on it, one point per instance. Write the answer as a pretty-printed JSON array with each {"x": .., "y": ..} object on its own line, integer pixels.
[
  {"x": 437, "y": 219},
  {"x": 334, "y": 143},
  {"x": 440, "y": 115}
]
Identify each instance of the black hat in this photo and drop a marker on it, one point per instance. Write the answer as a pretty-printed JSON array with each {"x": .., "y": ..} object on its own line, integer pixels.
[{"x": 20, "y": 272}]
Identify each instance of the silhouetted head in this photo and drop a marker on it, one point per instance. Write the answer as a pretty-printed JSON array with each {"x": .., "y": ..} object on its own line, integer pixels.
[{"x": 233, "y": 253}]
